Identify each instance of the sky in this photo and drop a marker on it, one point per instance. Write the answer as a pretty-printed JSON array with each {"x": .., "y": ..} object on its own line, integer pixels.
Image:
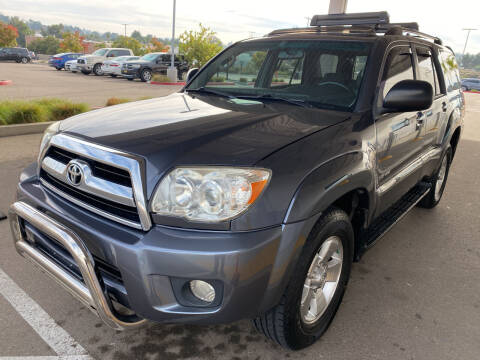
[{"x": 236, "y": 20}]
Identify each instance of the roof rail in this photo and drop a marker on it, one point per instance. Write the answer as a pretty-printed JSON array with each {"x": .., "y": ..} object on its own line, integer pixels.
[{"x": 367, "y": 18}]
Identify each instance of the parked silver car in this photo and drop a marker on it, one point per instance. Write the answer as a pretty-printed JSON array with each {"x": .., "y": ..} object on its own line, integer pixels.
[
  {"x": 71, "y": 65},
  {"x": 93, "y": 62},
  {"x": 471, "y": 84},
  {"x": 113, "y": 67}
]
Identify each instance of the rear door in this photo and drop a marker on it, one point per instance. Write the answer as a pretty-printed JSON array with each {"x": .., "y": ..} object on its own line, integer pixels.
[
  {"x": 434, "y": 118},
  {"x": 399, "y": 135}
]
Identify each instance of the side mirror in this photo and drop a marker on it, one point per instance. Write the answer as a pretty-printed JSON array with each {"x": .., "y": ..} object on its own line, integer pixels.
[
  {"x": 408, "y": 95},
  {"x": 191, "y": 73}
]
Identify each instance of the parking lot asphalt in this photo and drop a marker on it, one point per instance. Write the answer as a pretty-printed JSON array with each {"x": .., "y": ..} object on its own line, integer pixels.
[
  {"x": 415, "y": 295},
  {"x": 34, "y": 81}
]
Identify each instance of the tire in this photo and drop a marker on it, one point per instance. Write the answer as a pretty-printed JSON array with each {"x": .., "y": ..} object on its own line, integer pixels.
[
  {"x": 24, "y": 60},
  {"x": 146, "y": 75},
  {"x": 292, "y": 324},
  {"x": 438, "y": 182},
  {"x": 97, "y": 69},
  {"x": 85, "y": 72},
  {"x": 130, "y": 79},
  {"x": 113, "y": 75},
  {"x": 58, "y": 69}
]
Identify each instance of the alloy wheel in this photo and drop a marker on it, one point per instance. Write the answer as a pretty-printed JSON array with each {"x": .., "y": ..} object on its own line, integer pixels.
[
  {"x": 442, "y": 173},
  {"x": 322, "y": 280}
]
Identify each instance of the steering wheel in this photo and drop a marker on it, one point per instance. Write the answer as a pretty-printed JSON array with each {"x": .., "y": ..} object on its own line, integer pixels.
[{"x": 336, "y": 84}]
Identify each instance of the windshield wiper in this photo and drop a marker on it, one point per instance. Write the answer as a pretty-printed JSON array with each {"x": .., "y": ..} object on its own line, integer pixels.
[
  {"x": 204, "y": 91},
  {"x": 270, "y": 97}
]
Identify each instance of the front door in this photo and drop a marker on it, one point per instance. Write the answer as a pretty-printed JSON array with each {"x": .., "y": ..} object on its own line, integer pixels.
[{"x": 399, "y": 135}]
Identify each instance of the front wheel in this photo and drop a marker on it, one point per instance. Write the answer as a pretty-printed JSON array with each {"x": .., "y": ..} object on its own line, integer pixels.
[
  {"x": 85, "y": 72},
  {"x": 58, "y": 68},
  {"x": 24, "y": 60},
  {"x": 146, "y": 75},
  {"x": 316, "y": 288},
  {"x": 97, "y": 70},
  {"x": 438, "y": 182},
  {"x": 113, "y": 75}
]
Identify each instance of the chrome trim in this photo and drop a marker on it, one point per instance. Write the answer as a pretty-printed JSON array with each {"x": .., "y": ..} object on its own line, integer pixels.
[
  {"x": 89, "y": 293},
  {"x": 90, "y": 207},
  {"x": 407, "y": 170},
  {"x": 89, "y": 183},
  {"x": 122, "y": 160}
]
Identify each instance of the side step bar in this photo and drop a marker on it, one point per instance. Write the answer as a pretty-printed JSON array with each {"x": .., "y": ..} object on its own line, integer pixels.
[
  {"x": 89, "y": 292},
  {"x": 393, "y": 215}
]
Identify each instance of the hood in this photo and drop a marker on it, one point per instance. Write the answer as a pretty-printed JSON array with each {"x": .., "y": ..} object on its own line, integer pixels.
[
  {"x": 181, "y": 130},
  {"x": 141, "y": 62}
]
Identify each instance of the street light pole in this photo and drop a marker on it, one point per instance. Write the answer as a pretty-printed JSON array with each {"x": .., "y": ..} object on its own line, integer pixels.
[
  {"x": 337, "y": 7},
  {"x": 466, "y": 42},
  {"x": 125, "y": 26},
  {"x": 172, "y": 71}
]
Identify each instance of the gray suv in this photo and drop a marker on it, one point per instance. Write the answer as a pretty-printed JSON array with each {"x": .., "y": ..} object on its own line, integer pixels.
[
  {"x": 249, "y": 193},
  {"x": 471, "y": 84},
  {"x": 20, "y": 55}
]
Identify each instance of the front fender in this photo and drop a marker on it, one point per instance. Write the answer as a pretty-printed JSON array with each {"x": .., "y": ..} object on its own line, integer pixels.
[{"x": 329, "y": 182}]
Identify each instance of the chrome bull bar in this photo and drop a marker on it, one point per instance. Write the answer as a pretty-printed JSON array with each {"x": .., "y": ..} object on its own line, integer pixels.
[{"x": 90, "y": 293}]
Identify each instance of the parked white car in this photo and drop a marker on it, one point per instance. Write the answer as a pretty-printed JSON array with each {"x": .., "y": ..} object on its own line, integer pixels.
[
  {"x": 93, "y": 62},
  {"x": 71, "y": 65},
  {"x": 113, "y": 67}
]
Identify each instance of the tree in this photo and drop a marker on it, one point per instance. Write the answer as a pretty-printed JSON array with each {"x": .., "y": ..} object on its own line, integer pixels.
[
  {"x": 8, "y": 35},
  {"x": 53, "y": 30},
  {"x": 157, "y": 46},
  {"x": 199, "y": 46},
  {"x": 129, "y": 43},
  {"x": 137, "y": 35},
  {"x": 22, "y": 29},
  {"x": 48, "y": 45},
  {"x": 72, "y": 42}
]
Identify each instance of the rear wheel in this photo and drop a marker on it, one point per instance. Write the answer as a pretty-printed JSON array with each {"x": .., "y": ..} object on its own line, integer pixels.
[
  {"x": 130, "y": 79},
  {"x": 58, "y": 68},
  {"x": 85, "y": 72},
  {"x": 97, "y": 70},
  {"x": 316, "y": 288},
  {"x": 24, "y": 60},
  {"x": 438, "y": 182},
  {"x": 113, "y": 75}
]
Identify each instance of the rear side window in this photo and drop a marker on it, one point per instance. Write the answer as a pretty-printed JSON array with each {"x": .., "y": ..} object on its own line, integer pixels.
[
  {"x": 426, "y": 69},
  {"x": 450, "y": 70},
  {"x": 398, "y": 67}
]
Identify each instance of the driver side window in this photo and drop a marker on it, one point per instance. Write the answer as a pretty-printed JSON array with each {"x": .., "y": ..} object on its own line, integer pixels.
[{"x": 398, "y": 67}]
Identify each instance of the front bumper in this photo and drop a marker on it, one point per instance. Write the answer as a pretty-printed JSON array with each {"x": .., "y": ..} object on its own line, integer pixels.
[
  {"x": 84, "y": 67},
  {"x": 250, "y": 268},
  {"x": 130, "y": 73}
]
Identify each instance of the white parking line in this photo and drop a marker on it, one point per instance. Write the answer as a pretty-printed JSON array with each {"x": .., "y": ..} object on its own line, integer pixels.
[{"x": 56, "y": 337}]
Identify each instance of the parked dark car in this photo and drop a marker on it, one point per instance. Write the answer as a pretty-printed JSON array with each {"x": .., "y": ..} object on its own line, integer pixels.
[
  {"x": 58, "y": 61},
  {"x": 20, "y": 55},
  {"x": 248, "y": 194},
  {"x": 152, "y": 63},
  {"x": 471, "y": 84}
]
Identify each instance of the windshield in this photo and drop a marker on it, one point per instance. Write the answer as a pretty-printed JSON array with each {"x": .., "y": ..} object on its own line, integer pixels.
[
  {"x": 149, "y": 57},
  {"x": 324, "y": 73},
  {"x": 100, "y": 52}
]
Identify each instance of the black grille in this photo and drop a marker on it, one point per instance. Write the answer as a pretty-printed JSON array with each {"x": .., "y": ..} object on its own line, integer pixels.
[
  {"x": 81, "y": 61},
  {"x": 99, "y": 169},
  {"x": 111, "y": 207}
]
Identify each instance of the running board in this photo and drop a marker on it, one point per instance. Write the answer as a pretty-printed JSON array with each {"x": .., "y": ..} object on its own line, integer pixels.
[{"x": 394, "y": 214}]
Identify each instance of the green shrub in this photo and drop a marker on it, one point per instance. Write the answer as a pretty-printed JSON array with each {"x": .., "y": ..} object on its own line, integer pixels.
[
  {"x": 116, "y": 101},
  {"x": 217, "y": 79},
  {"x": 161, "y": 78},
  {"x": 23, "y": 112},
  {"x": 243, "y": 80}
]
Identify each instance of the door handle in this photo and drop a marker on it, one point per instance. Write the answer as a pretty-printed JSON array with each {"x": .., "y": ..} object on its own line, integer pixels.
[
  {"x": 444, "y": 106},
  {"x": 420, "y": 119}
]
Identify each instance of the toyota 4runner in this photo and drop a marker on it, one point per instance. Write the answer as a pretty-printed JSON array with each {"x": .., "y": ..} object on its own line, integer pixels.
[{"x": 249, "y": 193}]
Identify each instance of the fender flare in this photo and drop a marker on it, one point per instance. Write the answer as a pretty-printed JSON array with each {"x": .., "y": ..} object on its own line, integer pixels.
[{"x": 329, "y": 182}]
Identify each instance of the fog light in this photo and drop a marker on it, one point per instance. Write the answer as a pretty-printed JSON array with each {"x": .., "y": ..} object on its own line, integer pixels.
[{"x": 202, "y": 290}]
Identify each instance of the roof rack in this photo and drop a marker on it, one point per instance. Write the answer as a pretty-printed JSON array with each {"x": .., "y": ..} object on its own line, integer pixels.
[
  {"x": 378, "y": 21},
  {"x": 367, "y": 18}
]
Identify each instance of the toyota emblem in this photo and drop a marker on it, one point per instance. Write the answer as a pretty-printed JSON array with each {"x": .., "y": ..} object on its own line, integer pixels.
[{"x": 74, "y": 174}]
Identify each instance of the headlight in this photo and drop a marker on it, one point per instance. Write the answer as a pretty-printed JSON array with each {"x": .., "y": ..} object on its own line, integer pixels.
[
  {"x": 209, "y": 194},
  {"x": 47, "y": 136},
  {"x": 136, "y": 66}
]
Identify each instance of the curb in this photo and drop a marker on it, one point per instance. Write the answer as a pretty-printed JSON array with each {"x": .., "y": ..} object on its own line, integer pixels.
[
  {"x": 6, "y": 82},
  {"x": 24, "y": 129},
  {"x": 166, "y": 83}
]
